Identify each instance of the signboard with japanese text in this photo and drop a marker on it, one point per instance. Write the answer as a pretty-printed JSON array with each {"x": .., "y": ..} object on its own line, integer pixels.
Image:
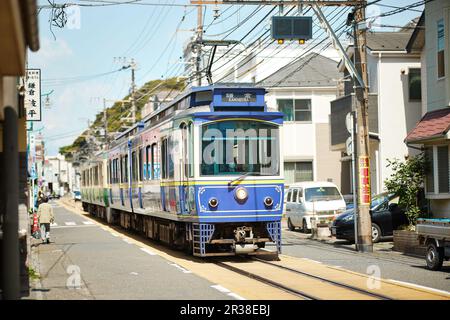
[
  {"x": 364, "y": 181},
  {"x": 33, "y": 94},
  {"x": 239, "y": 97}
]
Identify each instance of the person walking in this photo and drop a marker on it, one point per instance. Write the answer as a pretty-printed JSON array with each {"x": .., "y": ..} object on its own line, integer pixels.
[{"x": 46, "y": 217}]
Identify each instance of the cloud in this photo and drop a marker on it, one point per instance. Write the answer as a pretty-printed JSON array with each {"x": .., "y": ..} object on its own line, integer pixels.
[
  {"x": 50, "y": 51},
  {"x": 71, "y": 107}
]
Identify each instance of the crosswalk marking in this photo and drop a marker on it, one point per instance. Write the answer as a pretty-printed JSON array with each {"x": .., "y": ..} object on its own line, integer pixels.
[
  {"x": 70, "y": 223},
  {"x": 88, "y": 222},
  {"x": 53, "y": 224}
]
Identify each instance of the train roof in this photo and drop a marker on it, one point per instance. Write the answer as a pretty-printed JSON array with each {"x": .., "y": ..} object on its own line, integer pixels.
[{"x": 182, "y": 96}]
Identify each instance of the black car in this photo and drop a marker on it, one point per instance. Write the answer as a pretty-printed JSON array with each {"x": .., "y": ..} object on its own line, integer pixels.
[{"x": 386, "y": 217}]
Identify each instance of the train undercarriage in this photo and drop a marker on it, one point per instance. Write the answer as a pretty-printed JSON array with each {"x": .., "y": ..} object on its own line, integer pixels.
[{"x": 199, "y": 239}]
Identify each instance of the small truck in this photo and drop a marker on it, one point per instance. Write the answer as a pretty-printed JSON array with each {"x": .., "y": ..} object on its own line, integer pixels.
[{"x": 435, "y": 235}]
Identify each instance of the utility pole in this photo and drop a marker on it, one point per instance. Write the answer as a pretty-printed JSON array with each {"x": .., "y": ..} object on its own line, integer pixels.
[
  {"x": 132, "y": 65},
  {"x": 133, "y": 91},
  {"x": 197, "y": 47},
  {"x": 363, "y": 221},
  {"x": 105, "y": 124}
]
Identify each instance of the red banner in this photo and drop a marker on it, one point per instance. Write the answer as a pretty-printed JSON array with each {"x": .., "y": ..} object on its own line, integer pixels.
[{"x": 364, "y": 181}]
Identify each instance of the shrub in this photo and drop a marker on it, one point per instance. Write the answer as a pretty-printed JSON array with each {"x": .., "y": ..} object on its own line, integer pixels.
[{"x": 406, "y": 180}]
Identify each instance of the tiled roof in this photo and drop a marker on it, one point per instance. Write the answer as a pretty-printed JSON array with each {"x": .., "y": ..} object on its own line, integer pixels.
[
  {"x": 433, "y": 124},
  {"x": 388, "y": 41}
]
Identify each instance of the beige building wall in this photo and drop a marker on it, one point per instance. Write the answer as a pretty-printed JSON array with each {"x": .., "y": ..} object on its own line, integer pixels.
[{"x": 328, "y": 162}]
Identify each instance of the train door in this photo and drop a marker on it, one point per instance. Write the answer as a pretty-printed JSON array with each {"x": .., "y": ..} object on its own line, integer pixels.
[{"x": 184, "y": 169}]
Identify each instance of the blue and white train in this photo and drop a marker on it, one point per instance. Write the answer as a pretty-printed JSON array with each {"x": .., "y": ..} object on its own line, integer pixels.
[{"x": 202, "y": 173}]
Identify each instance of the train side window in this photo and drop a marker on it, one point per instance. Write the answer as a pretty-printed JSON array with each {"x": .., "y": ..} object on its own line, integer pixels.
[
  {"x": 191, "y": 149},
  {"x": 185, "y": 153},
  {"x": 134, "y": 166},
  {"x": 127, "y": 163},
  {"x": 154, "y": 162},
  {"x": 141, "y": 164},
  {"x": 116, "y": 170},
  {"x": 170, "y": 160},
  {"x": 147, "y": 174},
  {"x": 164, "y": 159},
  {"x": 294, "y": 195}
]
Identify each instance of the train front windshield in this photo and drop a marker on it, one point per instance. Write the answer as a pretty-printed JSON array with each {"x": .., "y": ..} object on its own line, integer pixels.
[{"x": 236, "y": 147}]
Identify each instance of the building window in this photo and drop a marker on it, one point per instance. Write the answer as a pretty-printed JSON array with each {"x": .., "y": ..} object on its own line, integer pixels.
[
  {"x": 430, "y": 169},
  {"x": 415, "y": 84},
  {"x": 295, "y": 109},
  {"x": 442, "y": 157},
  {"x": 441, "y": 48},
  {"x": 298, "y": 172}
]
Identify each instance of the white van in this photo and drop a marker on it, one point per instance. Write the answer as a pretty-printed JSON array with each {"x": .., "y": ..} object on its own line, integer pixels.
[{"x": 305, "y": 200}]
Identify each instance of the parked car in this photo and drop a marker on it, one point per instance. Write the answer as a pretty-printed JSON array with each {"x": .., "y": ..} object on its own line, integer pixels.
[
  {"x": 386, "y": 216},
  {"x": 305, "y": 200},
  {"x": 77, "y": 195}
]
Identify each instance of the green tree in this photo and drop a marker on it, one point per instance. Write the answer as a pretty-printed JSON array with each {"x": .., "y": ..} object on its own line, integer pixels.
[{"x": 406, "y": 180}]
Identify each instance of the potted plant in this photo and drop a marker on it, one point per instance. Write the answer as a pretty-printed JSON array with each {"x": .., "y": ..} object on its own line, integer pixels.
[{"x": 406, "y": 181}]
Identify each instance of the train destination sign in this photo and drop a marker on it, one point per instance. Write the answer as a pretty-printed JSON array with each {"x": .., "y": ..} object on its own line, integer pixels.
[{"x": 239, "y": 97}]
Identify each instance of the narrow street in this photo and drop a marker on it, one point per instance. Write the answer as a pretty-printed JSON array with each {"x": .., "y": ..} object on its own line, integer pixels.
[
  {"x": 87, "y": 259},
  {"x": 109, "y": 266}
]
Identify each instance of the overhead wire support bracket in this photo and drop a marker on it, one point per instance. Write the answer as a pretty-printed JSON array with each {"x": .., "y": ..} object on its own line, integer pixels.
[{"x": 337, "y": 44}]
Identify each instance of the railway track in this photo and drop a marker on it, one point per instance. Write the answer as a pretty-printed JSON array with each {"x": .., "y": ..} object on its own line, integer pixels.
[{"x": 299, "y": 283}]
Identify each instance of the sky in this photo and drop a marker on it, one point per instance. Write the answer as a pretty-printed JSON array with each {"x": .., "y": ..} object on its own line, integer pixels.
[{"x": 78, "y": 61}]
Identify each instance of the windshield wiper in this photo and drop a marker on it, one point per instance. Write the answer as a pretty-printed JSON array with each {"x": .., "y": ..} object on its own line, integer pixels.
[{"x": 242, "y": 176}]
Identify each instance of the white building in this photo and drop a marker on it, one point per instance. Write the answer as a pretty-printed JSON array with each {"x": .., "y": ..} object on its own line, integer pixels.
[
  {"x": 303, "y": 91},
  {"x": 394, "y": 105},
  {"x": 59, "y": 175},
  {"x": 431, "y": 39}
]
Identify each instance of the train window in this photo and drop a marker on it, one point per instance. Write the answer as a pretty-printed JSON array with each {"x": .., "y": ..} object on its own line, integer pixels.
[
  {"x": 116, "y": 170},
  {"x": 141, "y": 164},
  {"x": 134, "y": 175},
  {"x": 126, "y": 164},
  {"x": 164, "y": 159},
  {"x": 184, "y": 145},
  {"x": 155, "y": 164},
  {"x": 147, "y": 174},
  {"x": 191, "y": 149},
  {"x": 236, "y": 147},
  {"x": 170, "y": 162}
]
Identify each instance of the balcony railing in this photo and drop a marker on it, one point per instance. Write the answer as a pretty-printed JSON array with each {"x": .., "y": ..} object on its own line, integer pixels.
[{"x": 339, "y": 110}]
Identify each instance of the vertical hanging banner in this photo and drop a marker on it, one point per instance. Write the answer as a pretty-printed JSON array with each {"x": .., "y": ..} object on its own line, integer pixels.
[
  {"x": 33, "y": 94},
  {"x": 364, "y": 180}
]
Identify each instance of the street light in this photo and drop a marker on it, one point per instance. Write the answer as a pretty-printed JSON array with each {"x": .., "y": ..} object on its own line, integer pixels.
[{"x": 47, "y": 103}]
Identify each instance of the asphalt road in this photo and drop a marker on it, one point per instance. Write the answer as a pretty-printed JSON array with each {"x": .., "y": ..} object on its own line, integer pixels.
[
  {"x": 85, "y": 261},
  {"x": 386, "y": 263}
]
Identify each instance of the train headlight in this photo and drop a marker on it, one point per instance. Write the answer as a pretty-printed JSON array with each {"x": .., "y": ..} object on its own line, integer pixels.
[
  {"x": 213, "y": 202},
  {"x": 268, "y": 201},
  {"x": 241, "y": 194}
]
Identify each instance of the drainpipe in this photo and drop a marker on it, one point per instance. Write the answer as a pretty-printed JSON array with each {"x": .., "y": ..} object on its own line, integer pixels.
[{"x": 10, "y": 243}]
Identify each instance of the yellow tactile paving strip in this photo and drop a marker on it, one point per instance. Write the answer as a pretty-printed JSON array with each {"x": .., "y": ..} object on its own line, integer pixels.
[
  {"x": 361, "y": 281},
  {"x": 256, "y": 290}
]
